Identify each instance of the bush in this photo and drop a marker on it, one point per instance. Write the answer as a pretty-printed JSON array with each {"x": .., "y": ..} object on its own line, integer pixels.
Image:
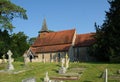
[{"x": 20, "y": 59}]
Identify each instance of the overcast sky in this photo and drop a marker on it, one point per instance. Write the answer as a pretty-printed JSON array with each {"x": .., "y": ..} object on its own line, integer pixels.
[{"x": 61, "y": 15}]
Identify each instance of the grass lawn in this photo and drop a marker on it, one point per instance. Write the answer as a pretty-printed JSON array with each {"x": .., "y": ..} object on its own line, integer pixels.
[{"x": 92, "y": 72}]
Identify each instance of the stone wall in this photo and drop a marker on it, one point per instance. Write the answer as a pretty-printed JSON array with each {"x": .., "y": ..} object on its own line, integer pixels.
[
  {"x": 71, "y": 49},
  {"x": 81, "y": 54},
  {"x": 49, "y": 57},
  {"x": 71, "y": 54}
]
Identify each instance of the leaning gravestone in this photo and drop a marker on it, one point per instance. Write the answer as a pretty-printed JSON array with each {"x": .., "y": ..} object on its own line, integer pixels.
[
  {"x": 29, "y": 80},
  {"x": 10, "y": 66}
]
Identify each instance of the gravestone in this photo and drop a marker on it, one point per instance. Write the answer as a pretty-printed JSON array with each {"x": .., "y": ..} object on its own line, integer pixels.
[
  {"x": 118, "y": 71},
  {"x": 10, "y": 66},
  {"x": 67, "y": 63},
  {"x": 25, "y": 59},
  {"x": 46, "y": 79},
  {"x": 3, "y": 59},
  {"x": 66, "y": 57},
  {"x": 62, "y": 62},
  {"x": 62, "y": 70},
  {"x": 29, "y": 80}
]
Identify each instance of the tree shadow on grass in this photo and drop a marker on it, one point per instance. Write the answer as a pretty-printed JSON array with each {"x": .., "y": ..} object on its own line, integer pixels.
[
  {"x": 58, "y": 65},
  {"x": 22, "y": 64},
  {"x": 42, "y": 79},
  {"x": 55, "y": 70}
]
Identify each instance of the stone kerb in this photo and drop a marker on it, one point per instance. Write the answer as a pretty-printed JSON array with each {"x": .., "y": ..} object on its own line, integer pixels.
[
  {"x": 29, "y": 80},
  {"x": 5, "y": 61}
]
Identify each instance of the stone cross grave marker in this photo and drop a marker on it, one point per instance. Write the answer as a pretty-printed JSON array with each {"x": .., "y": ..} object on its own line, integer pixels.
[{"x": 10, "y": 66}]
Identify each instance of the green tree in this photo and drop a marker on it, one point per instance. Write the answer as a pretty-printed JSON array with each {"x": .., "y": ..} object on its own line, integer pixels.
[
  {"x": 107, "y": 45},
  {"x": 31, "y": 40},
  {"x": 19, "y": 44},
  {"x": 9, "y": 11},
  {"x": 4, "y": 42}
]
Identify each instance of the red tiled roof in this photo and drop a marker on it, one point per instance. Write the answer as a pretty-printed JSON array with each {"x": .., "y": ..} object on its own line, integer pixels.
[
  {"x": 54, "y": 48},
  {"x": 33, "y": 50},
  {"x": 54, "y": 38},
  {"x": 84, "y": 39},
  {"x": 60, "y": 41}
]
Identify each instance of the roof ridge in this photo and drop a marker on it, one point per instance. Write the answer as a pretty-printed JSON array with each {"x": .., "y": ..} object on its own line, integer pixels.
[
  {"x": 63, "y": 30},
  {"x": 87, "y": 33},
  {"x": 52, "y": 44}
]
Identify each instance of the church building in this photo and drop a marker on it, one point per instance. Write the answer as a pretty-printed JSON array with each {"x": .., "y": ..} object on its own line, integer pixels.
[{"x": 52, "y": 46}]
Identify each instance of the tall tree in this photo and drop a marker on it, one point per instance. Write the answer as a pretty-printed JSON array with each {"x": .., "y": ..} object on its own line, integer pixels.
[
  {"x": 5, "y": 42},
  {"x": 19, "y": 44},
  {"x": 9, "y": 11},
  {"x": 107, "y": 45},
  {"x": 31, "y": 40}
]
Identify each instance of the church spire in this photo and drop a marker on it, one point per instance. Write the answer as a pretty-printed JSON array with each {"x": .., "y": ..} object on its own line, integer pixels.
[{"x": 44, "y": 27}]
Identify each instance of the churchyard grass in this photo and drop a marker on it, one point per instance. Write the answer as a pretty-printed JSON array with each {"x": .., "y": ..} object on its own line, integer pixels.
[{"x": 92, "y": 71}]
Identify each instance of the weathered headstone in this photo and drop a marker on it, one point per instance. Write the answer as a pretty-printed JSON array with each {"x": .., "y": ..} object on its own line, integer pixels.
[
  {"x": 29, "y": 80},
  {"x": 66, "y": 57},
  {"x": 62, "y": 70},
  {"x": 118, "y": 71},
  {"x": 10, "y": 66},
  {"x": 67, "y": 63},
  {"x": 3, "y": 59},
  {"x": 25, "y": 59},
  {"x": 46, "y": 79},
  {"x": 62, "y": 62}
]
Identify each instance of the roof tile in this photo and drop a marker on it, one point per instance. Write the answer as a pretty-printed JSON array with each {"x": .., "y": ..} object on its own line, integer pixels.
[
  {"x": 54, "y": 48},
  {"x": 54, "y": 38},
  {"x": 84, "y": 39}
]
